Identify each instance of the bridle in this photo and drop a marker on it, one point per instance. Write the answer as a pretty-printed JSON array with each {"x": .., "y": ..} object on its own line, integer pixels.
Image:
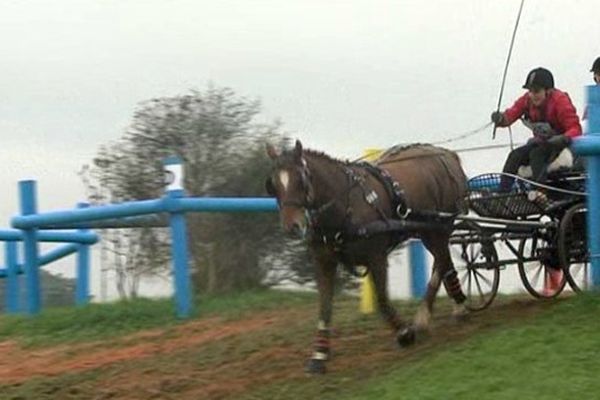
[
  {"x": 317, "y": 222},
  {"x": 313, "y": 211},
  {"x": 307, "y": 202},
  {"x": 307, "y": 188}
]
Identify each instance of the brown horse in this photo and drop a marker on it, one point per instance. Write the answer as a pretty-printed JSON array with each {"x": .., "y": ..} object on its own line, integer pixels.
[{"x": 354, "y": 215}]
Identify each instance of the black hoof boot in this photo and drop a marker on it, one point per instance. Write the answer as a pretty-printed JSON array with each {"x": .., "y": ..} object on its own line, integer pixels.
[
  {"x": 406, "y": 336},
  {"x": 315, "y": 366}
]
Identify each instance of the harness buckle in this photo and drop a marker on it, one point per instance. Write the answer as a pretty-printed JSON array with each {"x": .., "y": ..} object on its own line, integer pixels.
[
  {"x": 402, "y": 210},
  {"x": 371, "y": 197},
  {"x": 337, "y": 238}
]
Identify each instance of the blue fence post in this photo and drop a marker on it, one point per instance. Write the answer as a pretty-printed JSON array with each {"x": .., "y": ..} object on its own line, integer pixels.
[
  {"x": 82, "y": 286},
  {"x": 589, "y": 145},
  {"x": 593, "y": 184},
  {"x": 27, "y": 192},
  {"x": 179, "y": 248},
  {"x": 12, "y": 278},
  {"x": 418, "y": 269}
]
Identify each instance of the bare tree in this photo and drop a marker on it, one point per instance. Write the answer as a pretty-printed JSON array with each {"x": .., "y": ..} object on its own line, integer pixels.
[{"x": 216, "y": 134}]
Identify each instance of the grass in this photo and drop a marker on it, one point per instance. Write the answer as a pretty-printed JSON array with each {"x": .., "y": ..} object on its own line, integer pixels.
[
  {"x": 554, "y": 356},
  {"x": 100, "y": 321}
]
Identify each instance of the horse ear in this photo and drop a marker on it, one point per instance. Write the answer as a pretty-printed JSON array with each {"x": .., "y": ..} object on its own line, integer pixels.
[
  {"x": 298, "y": 149},
  {"x": 271, "y": 152}
]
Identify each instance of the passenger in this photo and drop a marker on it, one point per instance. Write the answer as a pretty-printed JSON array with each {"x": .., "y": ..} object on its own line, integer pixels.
[
  {"x": 595, "y": 70},
  {"x": 553, "y": 119}
]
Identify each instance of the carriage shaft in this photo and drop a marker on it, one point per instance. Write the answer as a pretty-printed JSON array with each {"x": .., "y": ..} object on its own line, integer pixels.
[{"x": 505, "y": 222}]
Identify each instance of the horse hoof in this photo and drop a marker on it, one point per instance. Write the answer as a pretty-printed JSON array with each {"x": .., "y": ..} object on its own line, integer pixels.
[
  {"x": 406, "y": 337},
  {"x": 460, "y": 317},
  {"x": 315, "y": 367}
]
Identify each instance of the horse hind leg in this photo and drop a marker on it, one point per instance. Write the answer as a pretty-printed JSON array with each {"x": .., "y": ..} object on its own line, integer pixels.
[
  {"x": 452, "y": 283},
  {"x": 423, "y": 316},
  {"x": 442, "y": 271},
  {"x": 379, "y": 272},
  {"x": 454, "y": 290}
]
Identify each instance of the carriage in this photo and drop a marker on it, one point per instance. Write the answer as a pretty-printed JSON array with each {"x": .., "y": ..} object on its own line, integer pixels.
[
  {"x": 540, "y": 228},
  {"x": 356, "y": 213}
]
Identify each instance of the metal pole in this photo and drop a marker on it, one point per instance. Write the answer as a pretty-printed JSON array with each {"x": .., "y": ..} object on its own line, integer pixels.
[
  {"x": 27, "y": 191},
  {"x": 82, "y": 288},
  {"x": 44, "y": 259},
  {"x": 104, "y": 233},
  {"x": 593, "y": 185},
  {"x": 418, "y": 269},
  {"x": 12, "y": 278},
  {"x": 179, "y": 248},
  {"x": 589, "y": 146}
]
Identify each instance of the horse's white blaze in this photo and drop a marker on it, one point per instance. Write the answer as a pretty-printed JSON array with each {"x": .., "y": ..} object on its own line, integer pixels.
[{"x": 284, "y": 178}]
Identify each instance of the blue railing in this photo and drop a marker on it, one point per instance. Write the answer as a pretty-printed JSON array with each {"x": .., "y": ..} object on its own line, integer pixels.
[{"x": 589, "y": 146}]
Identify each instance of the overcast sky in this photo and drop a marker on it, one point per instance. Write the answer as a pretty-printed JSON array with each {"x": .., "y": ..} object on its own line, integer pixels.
[{"x": 341, "y": 75}]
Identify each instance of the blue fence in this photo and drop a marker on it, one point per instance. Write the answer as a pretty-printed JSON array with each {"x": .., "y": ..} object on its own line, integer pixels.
[
  {"x": 78, "y": 242},
  {"x": 175, "y": 205},
  {"x": 589, "y": 146}
]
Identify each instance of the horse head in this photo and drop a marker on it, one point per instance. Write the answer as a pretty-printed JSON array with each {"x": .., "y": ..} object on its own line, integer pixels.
[{"x": 290, "y": 183}]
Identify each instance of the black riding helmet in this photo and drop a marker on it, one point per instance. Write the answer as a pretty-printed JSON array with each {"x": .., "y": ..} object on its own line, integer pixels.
[
  {"x": 539, "y": 78},
  {"x": 596, "y": 66}
]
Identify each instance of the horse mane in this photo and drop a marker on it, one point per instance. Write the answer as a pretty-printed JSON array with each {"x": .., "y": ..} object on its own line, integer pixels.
[
  {"x": 315, "y": 154},
  {"x": 324, "y": 156},
  {"x": 389, "y": 152}
]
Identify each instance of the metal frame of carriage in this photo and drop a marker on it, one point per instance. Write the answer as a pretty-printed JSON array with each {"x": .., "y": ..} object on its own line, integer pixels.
[{"x": 542, "y": 226}]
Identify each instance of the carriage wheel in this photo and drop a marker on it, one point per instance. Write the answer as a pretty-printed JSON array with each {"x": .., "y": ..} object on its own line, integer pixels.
[
  {"x": 477, "y": 266},
  {"x": 537, "y": 274},
  {"x": 572, "y": 247}
]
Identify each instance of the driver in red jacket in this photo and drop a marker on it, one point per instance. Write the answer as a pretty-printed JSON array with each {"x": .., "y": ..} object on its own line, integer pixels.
[{"x": 553, "y": 119}]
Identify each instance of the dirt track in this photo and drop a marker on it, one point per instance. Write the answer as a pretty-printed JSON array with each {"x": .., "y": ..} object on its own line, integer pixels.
[{"x": 215, "y": 358}]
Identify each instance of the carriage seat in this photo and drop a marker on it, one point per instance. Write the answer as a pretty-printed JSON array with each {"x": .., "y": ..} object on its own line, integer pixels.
[{"x": 564, "y": 161}]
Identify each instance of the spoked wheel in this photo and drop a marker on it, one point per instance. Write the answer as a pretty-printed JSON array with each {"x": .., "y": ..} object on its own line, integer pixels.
[
  {"x": 476, "y": 262},
  {"x": 540, "y": 277},
  {"x": 572, "y": 247}
]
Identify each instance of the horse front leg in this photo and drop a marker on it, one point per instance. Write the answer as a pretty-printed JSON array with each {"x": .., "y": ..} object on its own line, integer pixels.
[{"x": 325, "y": 274}]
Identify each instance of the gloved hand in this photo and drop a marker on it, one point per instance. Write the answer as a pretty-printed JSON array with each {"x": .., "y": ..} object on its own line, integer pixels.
[
  {"x": 559, "y": 142},
  {"x": 497, "y": 117},
  {"x": 542, "y": 130},
  {"x": 535, "y": 140}
]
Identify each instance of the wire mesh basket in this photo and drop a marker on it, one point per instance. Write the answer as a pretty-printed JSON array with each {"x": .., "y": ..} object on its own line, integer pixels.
[{"x": 485, "y": 199}]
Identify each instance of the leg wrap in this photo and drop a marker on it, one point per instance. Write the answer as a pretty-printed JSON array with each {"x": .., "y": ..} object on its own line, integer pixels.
[
  {"x": 453, "y": 287},
  {"x": 321, "y": 345}
]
